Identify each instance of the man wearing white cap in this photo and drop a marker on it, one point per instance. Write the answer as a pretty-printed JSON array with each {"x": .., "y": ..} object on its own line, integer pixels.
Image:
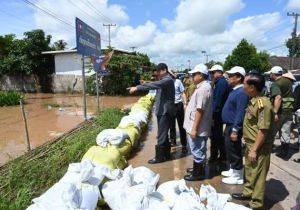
[
  {"x": 283, "y": 100},
  {"x": 233, "y": 115},
  {"x": 197, "y": 121},
  {"x": 220, "y": 94}
]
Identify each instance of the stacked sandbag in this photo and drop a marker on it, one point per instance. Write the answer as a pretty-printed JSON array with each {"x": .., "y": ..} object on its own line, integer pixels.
[
  {"x": 115, "y": 145},
  {"x": 132, "y": 190},
  {"x": 77, "y": 189}
]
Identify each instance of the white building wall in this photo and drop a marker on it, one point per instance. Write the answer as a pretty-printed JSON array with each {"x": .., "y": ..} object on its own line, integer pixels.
[{"x": 67, "y": 62}]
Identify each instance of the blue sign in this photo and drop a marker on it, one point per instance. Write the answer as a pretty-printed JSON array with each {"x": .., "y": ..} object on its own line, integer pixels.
[{"x": 87, "y": 39}]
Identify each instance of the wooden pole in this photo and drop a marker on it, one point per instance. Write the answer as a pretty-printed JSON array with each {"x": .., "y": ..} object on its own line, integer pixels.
[{"x": 25, "y": 124}]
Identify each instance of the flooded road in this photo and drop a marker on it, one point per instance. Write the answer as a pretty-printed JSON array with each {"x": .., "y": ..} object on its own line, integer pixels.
[{"x": 48, "y": 116}]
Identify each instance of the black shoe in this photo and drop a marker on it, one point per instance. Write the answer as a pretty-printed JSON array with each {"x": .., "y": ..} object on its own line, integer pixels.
[
  {"x": 284, "y": 150},
  {"x": 240, "y": 196},
  {"x": 159, "y": 155},
  {"x": 197, "y": 173},
  {"x": 297, "y": 160}
]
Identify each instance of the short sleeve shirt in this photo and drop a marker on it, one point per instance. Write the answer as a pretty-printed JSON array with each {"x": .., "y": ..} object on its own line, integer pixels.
[
  {"x": 201, "y": 99},
  {"x": 179, "y": 89},
  {"x": 259, "y": 116}
]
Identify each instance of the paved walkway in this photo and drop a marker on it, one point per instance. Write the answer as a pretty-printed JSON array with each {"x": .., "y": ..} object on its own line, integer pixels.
[{"x": 283, "y": 182}]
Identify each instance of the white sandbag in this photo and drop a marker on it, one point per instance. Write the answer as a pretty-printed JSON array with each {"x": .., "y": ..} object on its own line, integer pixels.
[
  {"x": 156, "y": 201},
  {"x": 231, "y": 206},
  {"x": 140, "y": 116},
  {"x": 144, "y": 175},
  {"x": 67, "y": 196},
  {"x": 129, "y": 120},
  {"x": 188, "y": 200},
  {"x": 214, "y": 200},
  {"x": 111, "y": 136},
  {"x": 131, "y": 190},
  {"x": 171, "y": 191}
]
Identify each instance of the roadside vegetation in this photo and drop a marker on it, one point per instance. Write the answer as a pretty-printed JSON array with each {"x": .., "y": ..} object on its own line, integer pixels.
[
  {"x": 29, "y": 176},
  {"x": 10, "y": 98}
]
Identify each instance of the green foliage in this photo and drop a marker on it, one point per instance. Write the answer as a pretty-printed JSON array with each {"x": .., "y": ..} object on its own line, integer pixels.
[
  {"x": 123, "y": 67},
  {"x": 245, "y": 55},
  {"x": 59, "y": 45},
  {"x": 25, "y": 178},
  {"x": 289, "y": 45},
  {"x": 10, "y": 98},
  {"x": 212, "y": 62},
  {"x": 24, "y": 56}
]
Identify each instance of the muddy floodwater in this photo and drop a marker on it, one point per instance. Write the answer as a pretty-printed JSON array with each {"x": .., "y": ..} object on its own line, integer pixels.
[{"x": 48, "y": 116}]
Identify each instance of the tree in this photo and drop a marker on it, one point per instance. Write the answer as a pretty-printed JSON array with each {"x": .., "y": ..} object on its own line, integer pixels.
[
  {"x": 289, "y": 45},
  {"x": 59, "y": 45},
  {"x": 245, "y": 55},
  {"x": 5, "y": 44},
  {"x": 212, "y": 62}
]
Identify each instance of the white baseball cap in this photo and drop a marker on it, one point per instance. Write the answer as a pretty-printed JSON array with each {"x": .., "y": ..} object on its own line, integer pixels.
[
  {"x": 275, "y": 70},
  {"x": 237, "y": 69},
  {"x": 216, "y": 67},
  {"x": 200, "y": 68}
]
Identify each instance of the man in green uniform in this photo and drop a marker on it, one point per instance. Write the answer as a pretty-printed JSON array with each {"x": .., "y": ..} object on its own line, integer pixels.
[
  {"x": 189, "y": 87},
  {"x": 283, "y": 100},
  {"x": 257, "y": 132}
]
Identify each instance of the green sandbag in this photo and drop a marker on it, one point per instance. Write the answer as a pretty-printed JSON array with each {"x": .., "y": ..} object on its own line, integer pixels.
[
  {"x": 133, "y": 133},
  {"x": 125, "y": 148},
  {"x": 107, "y": 156}
]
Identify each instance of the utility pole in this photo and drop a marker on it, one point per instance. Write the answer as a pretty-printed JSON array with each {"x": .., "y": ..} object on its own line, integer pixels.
[
  {"x": 109, "y": 25},
  {"x": 294, "y": 36},
  {"x": 189, "y": 64}
]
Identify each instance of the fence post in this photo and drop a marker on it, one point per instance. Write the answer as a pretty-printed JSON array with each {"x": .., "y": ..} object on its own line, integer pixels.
[{"x": 25, "y": 124}]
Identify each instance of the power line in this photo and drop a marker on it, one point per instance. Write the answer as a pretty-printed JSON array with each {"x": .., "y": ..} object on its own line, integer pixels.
[
  {"x": 75, "y": 5},
  {"x": 91, "y": 6},
  {"x": 48, "y": 13}
]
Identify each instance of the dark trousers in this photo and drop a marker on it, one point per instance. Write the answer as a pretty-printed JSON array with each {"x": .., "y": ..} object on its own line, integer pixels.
[
  {"x": 234, "y": 149},
  {"x": 164, "y": 124},
  {"x": 217, "y": 146},
  {"x": 179, "y": 116}
]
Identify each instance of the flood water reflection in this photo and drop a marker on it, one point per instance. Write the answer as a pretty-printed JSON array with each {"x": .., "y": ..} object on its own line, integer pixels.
[{"x": 48, "y": 116}]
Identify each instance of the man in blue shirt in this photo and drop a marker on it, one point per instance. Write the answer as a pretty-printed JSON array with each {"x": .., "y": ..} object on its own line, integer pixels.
[
  {"x": 220, "y": 94},
  {"x": 233, "y": 115}
]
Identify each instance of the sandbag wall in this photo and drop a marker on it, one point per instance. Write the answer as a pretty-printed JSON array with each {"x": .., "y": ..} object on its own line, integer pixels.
[{"x": 79, "y": 187}]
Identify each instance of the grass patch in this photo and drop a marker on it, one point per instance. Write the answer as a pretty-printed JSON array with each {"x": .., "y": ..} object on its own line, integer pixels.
[
  {"x": 10, "y": 98},
  {"x": 27, "y": 177}
]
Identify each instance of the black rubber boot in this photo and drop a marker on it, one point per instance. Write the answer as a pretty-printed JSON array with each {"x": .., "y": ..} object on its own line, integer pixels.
[
  {"x": 197, "y": 174},
  {"x": 159, "y": 155},
  {"x": 167, "y": 153},
  {"x": 190, "y": 170},
  {"x": 284, "y": 150}
]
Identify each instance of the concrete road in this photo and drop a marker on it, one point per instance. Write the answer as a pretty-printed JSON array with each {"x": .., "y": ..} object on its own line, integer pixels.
[{"x": 283, "y": 182}]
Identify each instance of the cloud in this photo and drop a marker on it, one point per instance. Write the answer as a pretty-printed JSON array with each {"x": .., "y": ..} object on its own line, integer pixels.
[
  {"x": 293, "y": 4},
  {"x": 93, "y": 12},
  {"x": 205, "y": 17},
  {"x": 127, "y": 36}
]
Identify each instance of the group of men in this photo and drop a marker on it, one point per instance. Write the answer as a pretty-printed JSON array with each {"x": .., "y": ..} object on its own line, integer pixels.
[{"x": 237, "y": 102}]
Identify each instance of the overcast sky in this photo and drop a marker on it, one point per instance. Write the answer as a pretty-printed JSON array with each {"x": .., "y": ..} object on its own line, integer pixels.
[{"x": 171, "y": 31}]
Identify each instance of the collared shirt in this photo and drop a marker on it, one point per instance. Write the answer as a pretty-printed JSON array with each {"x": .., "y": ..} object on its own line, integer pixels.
[
  {"x": 179, "y": 89},
  {"x": 201, "y": 99},
  {"x": 259, "y": 116},
  {"x": 221, "y": 91},
  {"x": 165, "y": 95}
]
